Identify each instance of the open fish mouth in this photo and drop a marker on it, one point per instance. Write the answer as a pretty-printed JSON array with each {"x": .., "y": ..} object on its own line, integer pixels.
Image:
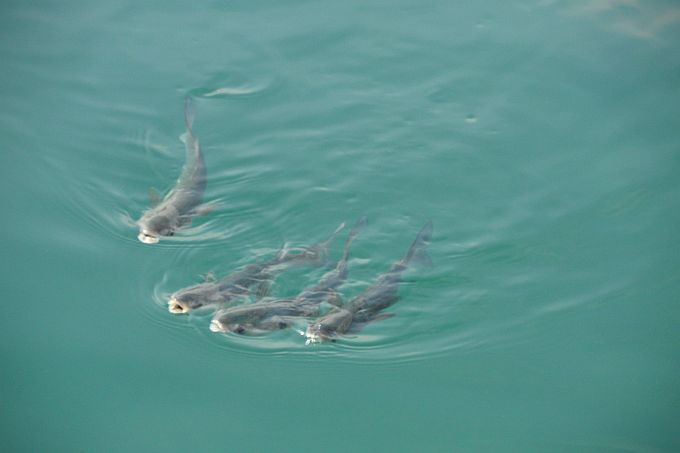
[
  {"x": 216, "y": 326},
  {"x": 318, "y": 336},
  {"x": 148, "y": 238},
  {"x": 312, "y": 337},
  {"x": 176, "y": 307}
]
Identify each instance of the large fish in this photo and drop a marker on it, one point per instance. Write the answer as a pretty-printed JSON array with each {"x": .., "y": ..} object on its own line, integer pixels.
[
  {"x": 367, "y": 306},
  {"x": 278, "y": 314},
  {"x": 214, "y": 292},
  {"x": 184, "y": 200}
]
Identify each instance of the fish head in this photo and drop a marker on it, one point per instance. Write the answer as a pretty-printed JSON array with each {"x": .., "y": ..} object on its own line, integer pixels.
[
  {"x": 236, "y": 320},
  {"x": 153, "y": 227},
  {"x": 194, "y": 297},
  {"x": 329, "y": 327},
  {"x": 235, "y": 327},
  {"x": 162, "y": 220}
]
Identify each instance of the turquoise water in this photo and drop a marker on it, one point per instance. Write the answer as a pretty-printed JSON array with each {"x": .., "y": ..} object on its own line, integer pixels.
[{"x": 540, "y": 137}]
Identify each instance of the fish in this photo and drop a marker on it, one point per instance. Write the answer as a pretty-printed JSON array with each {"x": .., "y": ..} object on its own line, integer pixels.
[
  {"x": 183, "y": 201},
  {"x": 367, "y": 306},
  {"x": 213, "y": 293},
  {"x": 279, "y": 313}
]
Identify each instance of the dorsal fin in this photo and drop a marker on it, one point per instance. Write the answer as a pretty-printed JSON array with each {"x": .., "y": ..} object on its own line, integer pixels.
[{"x": 417, "y": 250}]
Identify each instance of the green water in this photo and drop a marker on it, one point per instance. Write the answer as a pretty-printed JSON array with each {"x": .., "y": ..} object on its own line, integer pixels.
[{"x": 540, "y": 137}]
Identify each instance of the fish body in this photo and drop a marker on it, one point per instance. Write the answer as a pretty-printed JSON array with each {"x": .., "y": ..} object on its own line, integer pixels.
[
  {"x": 367, "y": 306},
  {"x": 277, "y": 314},
  {"x": 184, "y": 200},
  {"x": 212, "y": 292}
]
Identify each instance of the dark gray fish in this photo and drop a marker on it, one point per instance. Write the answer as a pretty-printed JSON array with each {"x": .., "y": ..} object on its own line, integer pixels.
[
  {"x": 214, "y": 292},
  {"x": 366, "y": 306},
  {"x": 278, "y": 314},
  {"x": 184, "y": 200}
]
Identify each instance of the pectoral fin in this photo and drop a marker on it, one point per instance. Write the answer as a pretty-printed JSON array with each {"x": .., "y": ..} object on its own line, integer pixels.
[{"x": 205, "y": 209}]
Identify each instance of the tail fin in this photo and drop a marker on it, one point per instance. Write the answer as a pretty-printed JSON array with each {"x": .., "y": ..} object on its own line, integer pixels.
[
  {"x": 417, "y": 250},
  {"x": 189, "y": 114},
  {"x": 324, "y": 245},
  {"x": 314, "y": 253},
  {"x": 352, "y": 234},
  {"x": 283, "y": 252}
]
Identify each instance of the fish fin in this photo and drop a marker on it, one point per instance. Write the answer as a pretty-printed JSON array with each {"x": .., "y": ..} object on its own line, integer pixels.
[
  {"x": 205, "y": 208},
  {"x": 320, "y": 250},
  {"x": 422, "y": 258},
  {"x": 327, "y": 242},
  {"x": 209, "y": 277},
  {"x": 189, "y": 113},
  {"x": 337, "y": 230},
  {"x": 154, "y": 197},
  {"x": 283, "y": 251},
  {"x": 358, "y": 226},
  {"x": 417, "y": 252},
  {"x": 188, "y": 138}
]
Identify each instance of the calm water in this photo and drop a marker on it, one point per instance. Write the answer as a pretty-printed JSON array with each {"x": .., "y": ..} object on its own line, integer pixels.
[{"x": 540, "y": 137}]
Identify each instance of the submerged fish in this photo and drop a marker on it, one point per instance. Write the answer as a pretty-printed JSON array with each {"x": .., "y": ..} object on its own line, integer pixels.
[
  {"x": 367, "y": 306},
  {"x": 183, "y": 201},
  {"x": 214, "y": 292},
  {"x": 278, "y": 314}
]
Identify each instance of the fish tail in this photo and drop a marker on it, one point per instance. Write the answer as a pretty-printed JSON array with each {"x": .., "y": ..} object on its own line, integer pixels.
[
  {"x": 417, "y": 250},
  {"x": 314, "y": 253},
  {"x": 189, "y": 114},
  {"x": 352, "y": 234},
  {"x": 193, "y": 150},
  {"x": 283, "y": 252},
  {"x": 320, "y": 250},
  {"x": 323, "y": 246}
]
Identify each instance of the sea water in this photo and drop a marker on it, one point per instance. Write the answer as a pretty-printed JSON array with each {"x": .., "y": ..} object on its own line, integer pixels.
[{"x": 540, "y": 137}]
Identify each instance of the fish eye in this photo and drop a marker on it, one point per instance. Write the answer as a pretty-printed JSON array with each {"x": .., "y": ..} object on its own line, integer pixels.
[
  {"x": 240, "y": 329},
  {"x": 171, "y": 233},
  {"x": 282, "y": 325}
]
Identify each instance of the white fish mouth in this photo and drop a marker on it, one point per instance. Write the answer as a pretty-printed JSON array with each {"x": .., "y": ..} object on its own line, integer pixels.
[
  {"x": 311, "y": 337},
  {"x": 215, "y": 326},
  {"x": 148, "y": 238},
  {"x": 176, "y": 307}
]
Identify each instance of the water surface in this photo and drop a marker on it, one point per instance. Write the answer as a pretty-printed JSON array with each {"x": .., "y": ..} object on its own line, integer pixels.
[{"x": 540, "y": 137}]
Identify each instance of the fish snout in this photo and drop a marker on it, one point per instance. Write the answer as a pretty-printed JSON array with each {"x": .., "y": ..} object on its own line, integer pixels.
[
  {"x": 176, "y": 307},
  {"x": 216, "y": 326},
  {"x": 219, "y": 326},
  {"x": 315, "y": 334},
  {"x": 147, "y": 237}
]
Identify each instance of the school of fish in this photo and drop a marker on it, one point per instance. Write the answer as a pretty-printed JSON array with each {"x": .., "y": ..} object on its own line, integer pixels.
[{"x": 320, "y": 306}]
